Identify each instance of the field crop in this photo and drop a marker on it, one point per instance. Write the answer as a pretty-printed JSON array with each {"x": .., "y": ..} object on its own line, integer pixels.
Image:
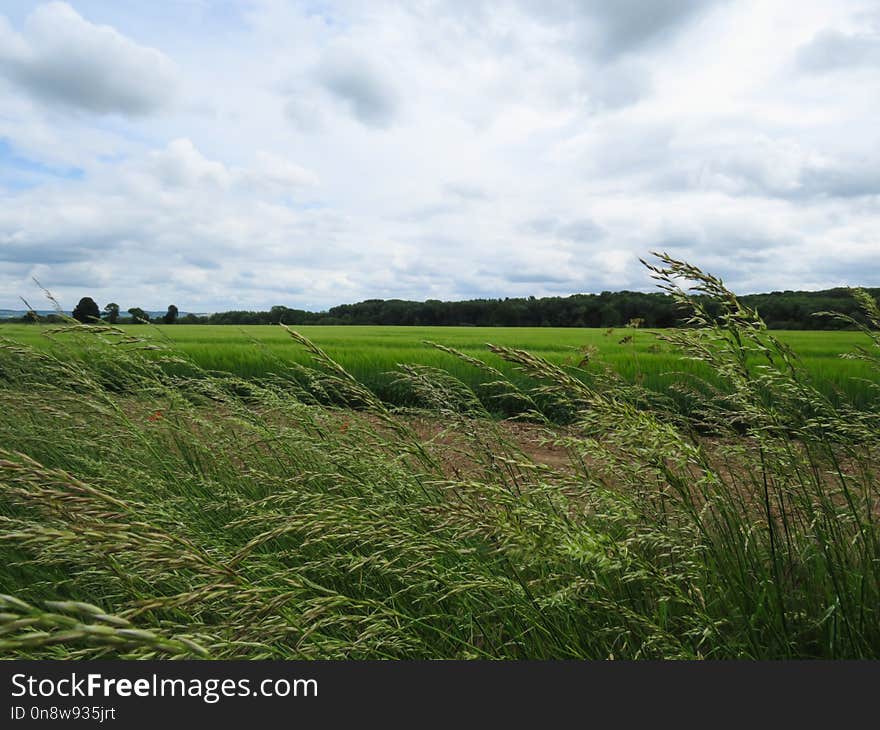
[
  {"x": 372, "y": 354},
  {"x": 153, "y": 508}
]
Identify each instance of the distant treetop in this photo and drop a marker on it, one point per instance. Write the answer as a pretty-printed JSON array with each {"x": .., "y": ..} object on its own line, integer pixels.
[{"x": 86, "y": 311}]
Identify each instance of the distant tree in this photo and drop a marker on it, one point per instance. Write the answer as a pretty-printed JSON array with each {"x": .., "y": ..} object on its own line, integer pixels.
[
  {"x": 278, "y": 313},
  {"x": 111, "y": 312},
  {"x": 87, "y": 310},
  {"x": 30, "y": 317},
  {"x": 138, "y": 315},
  {"x": 171, "y": 315}
]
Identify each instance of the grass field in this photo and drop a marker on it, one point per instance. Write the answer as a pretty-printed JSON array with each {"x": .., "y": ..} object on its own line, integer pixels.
[
  {"x": 372, "y": 354},
  {"x": 152, "y": 508}
]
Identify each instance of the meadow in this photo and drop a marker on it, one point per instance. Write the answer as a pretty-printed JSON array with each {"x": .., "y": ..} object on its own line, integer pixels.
[
  {"x": 153, "y": 506},
  {"x": 372, "y": 354}
]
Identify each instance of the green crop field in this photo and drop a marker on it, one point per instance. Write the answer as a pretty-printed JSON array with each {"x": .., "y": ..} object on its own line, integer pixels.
[{"x": 372, "y": 354}]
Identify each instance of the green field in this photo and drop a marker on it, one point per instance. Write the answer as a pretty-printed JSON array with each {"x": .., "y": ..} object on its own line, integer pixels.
[
  {"x": 372, "y": 354},
  {"x": 256, "y": 499}
]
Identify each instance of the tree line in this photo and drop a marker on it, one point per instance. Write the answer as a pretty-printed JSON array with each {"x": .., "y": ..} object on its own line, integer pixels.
[
  {"x": 87, "y": 311},
  {"x": 780, "y": 310}
]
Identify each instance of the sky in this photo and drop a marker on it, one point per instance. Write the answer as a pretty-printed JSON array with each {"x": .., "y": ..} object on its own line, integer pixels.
[{"x": 222, "y": 154}]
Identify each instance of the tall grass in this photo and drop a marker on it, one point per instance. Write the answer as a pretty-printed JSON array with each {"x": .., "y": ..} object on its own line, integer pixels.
[{"x": 152, "y": 508}]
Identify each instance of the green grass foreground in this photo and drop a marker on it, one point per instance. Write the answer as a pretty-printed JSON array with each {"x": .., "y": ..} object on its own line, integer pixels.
[{"x": 152, "y": 508}]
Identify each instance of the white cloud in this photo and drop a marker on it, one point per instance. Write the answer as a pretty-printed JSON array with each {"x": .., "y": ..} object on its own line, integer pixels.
[
  {"x": 368, "y": 94},
  {"x": 182, "y": 165},
  {"x": 831, "y": 50},
  {"x": 60, "y": 58},
  {"x": 276, "y": 171},
  {"x": 624, "y": 26}
]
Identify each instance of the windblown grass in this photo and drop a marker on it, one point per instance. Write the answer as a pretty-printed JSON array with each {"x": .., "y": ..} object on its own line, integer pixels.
[{"x": 152, "y": 508}]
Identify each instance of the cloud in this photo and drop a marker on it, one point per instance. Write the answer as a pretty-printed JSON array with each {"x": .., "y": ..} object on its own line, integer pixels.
[
  {"x": 624, "y": 26},
  {"x": 62, "y": 59},
  {"x": 354, "y": 81},
  {"x": 846, "y": 180},
  {"x": 778, "y": 168},
  {"x": 182, "y": 165},
  {"x": 537, "y": 277},
  {"x": 831, "y": 50},
  {"x": 609, "y": 30},
  {"x": 56, "y": 232},
  {"x": 172, "y": 206},
  {"x": 277, "y": 171},
  {"x": 465, "y": 192},
  {"x": 304, "y": 111},
  {"x": 618, "y": 85},
  {"x": 579, "y": 230},
  {"x": 582, "y": 231}
]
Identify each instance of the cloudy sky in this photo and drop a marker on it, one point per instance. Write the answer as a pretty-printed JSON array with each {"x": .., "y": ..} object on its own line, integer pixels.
[{"x": 225, "y": 154}]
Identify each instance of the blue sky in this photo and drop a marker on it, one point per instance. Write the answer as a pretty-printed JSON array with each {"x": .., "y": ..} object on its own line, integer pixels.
[
  {"x": 19, "y": 173},
  {"x": 228, "y": 154}
]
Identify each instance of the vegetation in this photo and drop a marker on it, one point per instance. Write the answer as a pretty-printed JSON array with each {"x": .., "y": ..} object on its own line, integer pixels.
[
  {"x": 152, "y": 508},
  {"x": 138, "y": 316},
  {"x": 372, "y": 354},
  {"x": 779, "y": 310},
  {"x": 111, "y": 312},
  {"x": 794, "y": 310},
  {"x": 86, "y": 311}
]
